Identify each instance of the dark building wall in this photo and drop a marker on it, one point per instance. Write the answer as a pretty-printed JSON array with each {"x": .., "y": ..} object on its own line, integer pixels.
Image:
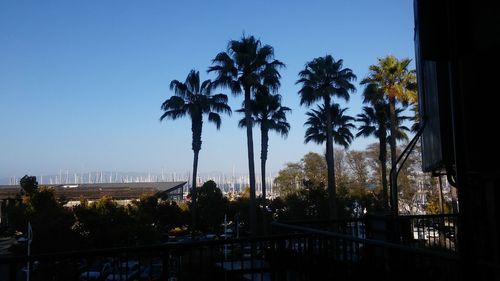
[{"x": 464, "y": 39}]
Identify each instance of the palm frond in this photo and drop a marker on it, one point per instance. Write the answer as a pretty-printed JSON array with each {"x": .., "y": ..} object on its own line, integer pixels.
[
  {"x": 173, "y": 114},
  {"x": 215, "y": 118},
  {"x": 173, "y": 102}
]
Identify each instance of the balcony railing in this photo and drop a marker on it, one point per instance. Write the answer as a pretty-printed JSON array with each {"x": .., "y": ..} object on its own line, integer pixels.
[
  {"x": 302, "y": 253},
  {"x": 337, "y": 256},
  {"x": 419, "y": 231},
  {"x": 264, "y": 258}
]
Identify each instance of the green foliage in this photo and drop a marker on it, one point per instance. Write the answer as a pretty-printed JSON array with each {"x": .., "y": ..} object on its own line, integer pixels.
[
  {"x": 28, "y": 184},
  {"x": 17, "y": 214},
  {"x": 392, "y": 76},
  {"x": 314, "y": 169},
  {"x": 304, "y": 181},
  {"x": 51, "y": 222},
  {"x": 307, "y": 203},
  {"x": 171, "y": 215},
  {"x": 239, "y": 210},
  {"x": 104, "y": 224},
  {"x": 289, "y": 179},
  {"x": 212, "y": 206}
]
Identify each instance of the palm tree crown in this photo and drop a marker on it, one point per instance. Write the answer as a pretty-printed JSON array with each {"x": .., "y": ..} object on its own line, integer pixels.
[
  {"x": 268, "y": 112},
  {"x": 394, "y": 78},
  {"x": 195, "y": 100},
  {"x": 374, "y": 122},
  {"x": 246, "y": 64},
  {"x": 341, "y": 126},
  {"x": 325, "y": 77}
]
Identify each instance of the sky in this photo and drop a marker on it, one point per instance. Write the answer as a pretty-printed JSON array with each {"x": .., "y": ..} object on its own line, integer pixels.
[{"x": 81, "y": 82}]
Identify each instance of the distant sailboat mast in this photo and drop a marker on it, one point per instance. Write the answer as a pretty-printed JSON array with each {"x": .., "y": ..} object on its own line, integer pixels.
[{"x": 233, "y": 179}]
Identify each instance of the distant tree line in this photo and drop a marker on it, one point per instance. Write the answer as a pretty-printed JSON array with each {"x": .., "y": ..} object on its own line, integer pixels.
[{"x": 105, "y": 223}]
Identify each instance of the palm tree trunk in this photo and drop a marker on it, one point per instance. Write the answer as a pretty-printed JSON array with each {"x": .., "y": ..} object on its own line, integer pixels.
[
  {"x": 263, "y": 157},
  {"x": 392, "y": 143},
  {"x": 332, "y": 198},
  {"x": 196, "y": 127},
  {"x": 193, "y": 190},
  {"x": 383, "y": 167},
  {"x": 251, "y": 163}
]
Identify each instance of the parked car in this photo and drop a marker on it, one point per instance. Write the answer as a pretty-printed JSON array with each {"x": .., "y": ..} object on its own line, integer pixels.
[
  {"x": 96, "y": 271},
  {"x": 126, "y": 271}
]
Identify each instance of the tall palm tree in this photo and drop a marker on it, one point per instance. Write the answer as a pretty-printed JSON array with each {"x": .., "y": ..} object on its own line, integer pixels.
[
  {"x": 270, "y": 115},
  {"x": 195, "y": 99},
  {"x": 340, "y": 128},
  {"x": 322, "y": 79},
  {"x": 243, "y": 68},
  {"x": 398, "y": 83},
  {"x": 374, "y": 122}
]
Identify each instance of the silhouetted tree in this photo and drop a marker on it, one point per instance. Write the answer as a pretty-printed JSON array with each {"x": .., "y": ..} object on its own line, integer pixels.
[
  {"x": 322, "y": 79},
  {"x": 105, "y": 224},
  {"x": 269, "y": 114},
  {"x": 212, "y": 205},
  {"x": 374, "y": 122},
  {"x": 29, "y": 185},
  {"x": 195, "y": 100},
  {"x": 398, "y": 83},
  {"x": 243, "y": 68},
  {"x": 340, "y": 128}
]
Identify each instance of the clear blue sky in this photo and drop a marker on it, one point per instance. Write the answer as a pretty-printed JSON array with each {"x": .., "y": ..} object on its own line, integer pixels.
[{"x": 81, "y": 82}]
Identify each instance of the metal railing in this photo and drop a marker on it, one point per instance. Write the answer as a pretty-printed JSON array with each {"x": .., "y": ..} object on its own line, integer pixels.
[
  {"x": 419, "y": 231},
  {"x": 297, "y": 253},
  {"x": 236, "y": 259},
  {"x": 429, "y": 231},
  {"x": 337, "y": 256}
]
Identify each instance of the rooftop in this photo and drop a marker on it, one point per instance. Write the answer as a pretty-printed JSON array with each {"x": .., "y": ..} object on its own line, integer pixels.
[{"x": 98, "y": 190}]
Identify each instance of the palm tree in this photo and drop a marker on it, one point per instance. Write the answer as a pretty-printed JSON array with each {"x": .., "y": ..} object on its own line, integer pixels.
[
  {"x": 243, "y": 68},
  {"x": 374, "y": 122},
  {"x": 195, "y": 100},
  {"x": 268, "y": 112},
  {"x": 398, "y": 84},
  {"x": 340, "y": 128},
  {"x": 322, "y": 79}
]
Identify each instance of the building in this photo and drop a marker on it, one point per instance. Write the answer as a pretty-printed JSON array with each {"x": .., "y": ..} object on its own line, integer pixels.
[{"x": 123, "y": 193}]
